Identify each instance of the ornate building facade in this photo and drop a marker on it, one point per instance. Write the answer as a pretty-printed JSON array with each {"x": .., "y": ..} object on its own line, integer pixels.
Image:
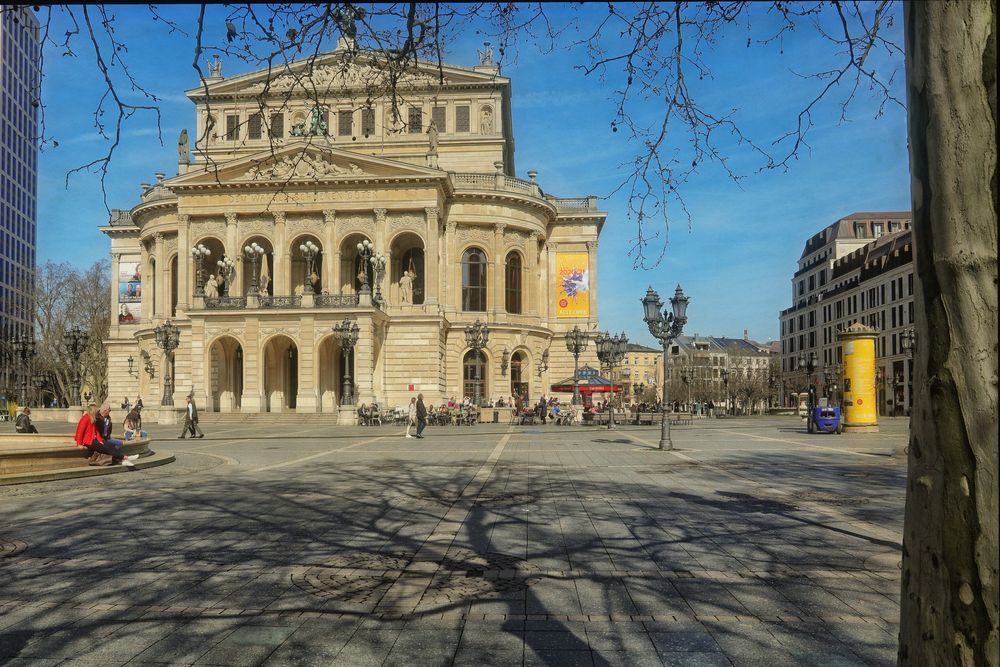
[{"x": 296, "y": 178}]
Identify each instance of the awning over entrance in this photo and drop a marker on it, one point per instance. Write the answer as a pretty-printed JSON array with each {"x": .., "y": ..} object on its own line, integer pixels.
[{"x": 591, "y": 382}]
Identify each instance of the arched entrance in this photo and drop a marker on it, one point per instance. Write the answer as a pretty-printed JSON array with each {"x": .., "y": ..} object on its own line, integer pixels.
[
  {"x": 281, "y": 374},
  {"x": 225, "y": 378},
  {"x": 519, "y": 375},
  {"x": 475, "y": 383},
  {"x": 407, "y": 252}
]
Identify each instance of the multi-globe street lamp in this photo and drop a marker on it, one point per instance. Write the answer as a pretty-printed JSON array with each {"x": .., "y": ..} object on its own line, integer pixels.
[
  {"x": 346, "y": 333},
  {"x": 365, "y": 250},
  {"x": 610, "y": 352},
  {"x": 309, "y": 251},
  {"x": 200, "y": 253},
  {"x": 809, "y": 366},
  {"x": 378, "y": 262},
  {"x": 831, "y": 375},
  {"x": 477, "y": 335},
  {"x": 665, "y": 327},
  {"x": 75, "y": 340},
  {"x": 254, "y": 252},
  {"x": 23, "y": 347},
  {"x": 168, "y": 338},
  {"x": 227, "y": 268},
  {"x": 576, "y": 343}
]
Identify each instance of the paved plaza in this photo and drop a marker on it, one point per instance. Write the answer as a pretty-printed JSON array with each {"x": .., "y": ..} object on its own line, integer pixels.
[{"x": 300, "y": 543}]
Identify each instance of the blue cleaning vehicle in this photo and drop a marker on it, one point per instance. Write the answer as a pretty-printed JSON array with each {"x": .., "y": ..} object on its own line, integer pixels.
[{"x": 825, "y": 419}]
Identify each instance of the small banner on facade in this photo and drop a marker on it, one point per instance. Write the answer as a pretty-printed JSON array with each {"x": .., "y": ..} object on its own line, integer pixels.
[
  {"x": 572, "y": 284},
  {"x": 129, "y": 292}
]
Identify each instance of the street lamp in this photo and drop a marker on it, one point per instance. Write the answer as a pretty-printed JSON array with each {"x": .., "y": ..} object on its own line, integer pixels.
[
  {"x": 346, "y": 334},
  {"x": 476, "y": 336},
  {"x": 168, "y": 338},
  {"x": 665, "y": 327},
  {"x": 504, "y": 362},
  {"x": 908, "y": 341},
  {"x": 810, "y": 365},
  {"x": 365, "y": 249},
  {"x": 831, "y": 374},
  {"x": 200, "y": 253},
  {"x": 725, "y": 383},
  {"x": 576, "y": 343},
  {"x": 253, "y": 252},
  {"x": 23, "y": 347},
  {"x": 75, "y": 340},
  {"x": 39, "y": 380},
  {"x": 309, "y": 251},
  {"x": 227, "y": 268},
  {"x": 610, "y": 352},
  {"x": 686, "y": 377},
  {"x": 543, "y": 364},
  {"x": 378, "y": 262}
]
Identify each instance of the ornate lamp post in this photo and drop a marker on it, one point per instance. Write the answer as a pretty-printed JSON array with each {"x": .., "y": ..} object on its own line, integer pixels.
[
  {"x": 725, "y": 383},
  {"x": 346, "y": 334},
  {"x": 576, "y": 343},
  {"x": 227, "y": 268},
  {"x": 831, "y": 375},
  {"x": 504, "y": 362},
  {"x": 543, "y": 363},
  {"x": 378, "y": 262},
  {"x": 665, "y": 327},
  {"x": 309, "y": 251},
  {"x": 75, "y": 340},
  {"x": 365, "y": 250},
  {"x": 908, "y": 341},
  {"x": 39, "y": 379},
  {"x": 168, "y": 338},
  {"x": 477, "y": 335},
  {"x": 610, "y": 352},
  {"x": 200, "y": 253},
  {"x": 809, "y": 365},
  {"x": 253, "y": 252},
  {"x": 23, "y": 347}
]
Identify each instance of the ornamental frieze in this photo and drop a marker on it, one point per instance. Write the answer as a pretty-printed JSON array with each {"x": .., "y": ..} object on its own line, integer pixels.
[
  {"x": 333, "y": 76},
  {"x": 405, "y": 222},
  {"x": 202, "y": 228},
  {"x": 302, "y": 166},
  {"x": 481, "y": 235},
  {"x": 356, "y": 223},
  {"x": 257, "y": 227},
  {"x": 211, "y": 333}
]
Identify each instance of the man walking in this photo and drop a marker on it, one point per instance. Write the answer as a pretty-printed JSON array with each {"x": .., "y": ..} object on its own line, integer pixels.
[
  {"x": 411, "y": 416},
  {"x": 191, "y": 420},
  {"x": 421, "y": 415}
]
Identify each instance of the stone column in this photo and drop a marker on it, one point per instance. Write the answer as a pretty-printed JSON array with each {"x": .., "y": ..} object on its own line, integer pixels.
[
  {"x": 281, "y": 280},
  {"x": 535, "y": 283},
  {"x": 160, "y": 279},
  {"x": 451, "y": 271},
  {"x": 307, "y": 398},
  {"x": 330, "y": 255},
  {"x": 432, "y": 268},
  {"x": 253, "y": 368},
  {"x": 184, "y": 285},
  {"x": 547, "y": 259},
  {"x": 116, "y": 258},
  {"x": 497, "y": 303},
  {"x": 379, "y": 240},
  {"x": 234, "y": 252},
  {"x": 592, "y": 278}
]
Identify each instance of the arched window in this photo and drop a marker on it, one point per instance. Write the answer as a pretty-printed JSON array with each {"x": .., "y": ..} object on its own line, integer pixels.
[
  {"x": 474, "y": 375},
  {"x": 518, "y": 371},
  {"x": 512, "y": 292},
  {"x": 474, "y": 280}
]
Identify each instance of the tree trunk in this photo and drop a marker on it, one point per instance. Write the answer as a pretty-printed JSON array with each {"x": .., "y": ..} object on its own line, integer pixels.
[{"x": 949, "y": 585}]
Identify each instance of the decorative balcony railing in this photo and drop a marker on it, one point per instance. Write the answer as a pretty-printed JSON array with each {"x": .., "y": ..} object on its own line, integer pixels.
[
  {"x": 574, "y": 203},
  {"x": 280, "y": 301},
  {"x": 336, "y": 300},
  {"x": 496, "y": 182},
  {"x": 226, "y": 303}
]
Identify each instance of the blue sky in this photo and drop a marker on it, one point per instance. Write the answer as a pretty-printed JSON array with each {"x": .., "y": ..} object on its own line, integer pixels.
[{"x": 736, "y": 258}]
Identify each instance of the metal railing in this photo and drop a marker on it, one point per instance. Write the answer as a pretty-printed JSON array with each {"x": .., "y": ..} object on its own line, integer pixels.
[
  {"x": 336, "y": 300},
  {"x": 226, "y": 303},
  {"x": 280, "y": 301}
]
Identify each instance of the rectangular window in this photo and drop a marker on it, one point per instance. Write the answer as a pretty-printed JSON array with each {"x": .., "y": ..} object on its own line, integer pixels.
[
  {"x": 882, "y": 292},
  {"x": 877, "y": 229},
  {"x": 892, "y": 290},
  {"x": 254, "y": 126},
  {"x": 439, "y": 116},
  {"x": 232, "y": 127},
  {"x": 860, "y": 230},
  {"x": 894, "y": 226},
  {"x": 345, "y": 123},
  {"x": 802, "y": 287},
  {"x": 909, "y": 284},
  {"x": 812, "y": 283},
  {"x": 368, "y": 121},
  {"x": 277, "y": 125},
  {"x": 822, "y": 277},
  {"x": 416, "y": 124},
  {"x": 462, "y": 119}
]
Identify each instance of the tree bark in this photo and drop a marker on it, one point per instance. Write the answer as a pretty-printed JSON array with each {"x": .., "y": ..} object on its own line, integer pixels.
[{"x": 949, "y": 612}]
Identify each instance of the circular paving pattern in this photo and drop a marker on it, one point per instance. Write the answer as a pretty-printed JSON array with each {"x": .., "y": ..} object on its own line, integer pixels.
[
  {"x": 365, "y": 578},
  {"x": 10, "y": 548}
]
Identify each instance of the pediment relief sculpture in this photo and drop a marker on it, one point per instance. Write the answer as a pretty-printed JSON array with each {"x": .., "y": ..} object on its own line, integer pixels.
[
  {"x": 303, "y": 165},
  {"x": 341, "y": 76}
]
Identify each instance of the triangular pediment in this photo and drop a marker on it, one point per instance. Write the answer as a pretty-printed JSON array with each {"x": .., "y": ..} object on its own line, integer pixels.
[
  {"x": 304, "y": 161},
  {"x": 338, "y": 72}
]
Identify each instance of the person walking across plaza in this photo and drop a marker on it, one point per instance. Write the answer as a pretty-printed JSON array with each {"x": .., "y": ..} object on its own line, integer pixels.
[
  {"x": 421, "y": 411},
  {"x": 191, "y": 420},
  {"x": 411, "y": 416}
]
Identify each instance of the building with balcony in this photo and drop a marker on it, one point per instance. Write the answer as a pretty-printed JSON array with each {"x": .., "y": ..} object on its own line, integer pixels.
[
  {"x": 860, "y": 269},
  {"x": 304, "y": 165}
]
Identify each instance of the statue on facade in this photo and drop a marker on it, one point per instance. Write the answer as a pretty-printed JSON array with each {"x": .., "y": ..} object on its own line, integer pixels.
[
  {"x": 182, "y": 148},
  {"x": 486, "y": 55},
  {"x": 486, "y": 122},
  {"x": 211, "y": 288},
  {"x": 314, "y": 280},
  {"x": 406, "y": 284},
  {"x": 432, "y": 136},
  {"x": 215, "y": 67}
]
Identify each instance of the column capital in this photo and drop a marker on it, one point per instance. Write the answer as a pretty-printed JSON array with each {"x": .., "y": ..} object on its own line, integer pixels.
[
  {"x": 329, "y": 216},
  {"x": 116, "y": 256},
  {"x": 431, "y": 212},
  {"x": 498, "y": 228},
  {"x": 451, "y": 227},
  {"x": 231, "y": 217},
  {"x": 380, "y": 214},
  {"x": 279, "y": 217},
  {"x": 158, "y": 237},
  {"x": 183, "y": 218},
  {"x": 591, "y": 245},
  {"x": 534, "y": 236}
]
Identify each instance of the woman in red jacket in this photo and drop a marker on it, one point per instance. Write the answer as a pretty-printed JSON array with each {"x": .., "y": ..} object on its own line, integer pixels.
[{"x": 88, "y": 436}]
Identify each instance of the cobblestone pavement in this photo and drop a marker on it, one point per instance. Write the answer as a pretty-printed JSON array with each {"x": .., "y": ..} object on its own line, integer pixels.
[{"x": 752, "y": 544}]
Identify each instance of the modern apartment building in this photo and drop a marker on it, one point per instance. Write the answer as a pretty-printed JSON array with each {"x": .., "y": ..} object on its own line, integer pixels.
[{"x": 859, "y": 269}]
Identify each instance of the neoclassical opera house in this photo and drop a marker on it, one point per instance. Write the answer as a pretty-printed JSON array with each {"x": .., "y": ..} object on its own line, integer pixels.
[{"x": 252, "y": 250}]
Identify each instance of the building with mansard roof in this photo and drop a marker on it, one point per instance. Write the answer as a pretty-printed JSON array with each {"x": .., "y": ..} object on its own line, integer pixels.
[{"x": 305, "y": 164}]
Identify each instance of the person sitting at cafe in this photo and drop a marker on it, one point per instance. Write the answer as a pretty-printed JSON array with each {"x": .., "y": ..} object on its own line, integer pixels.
[{"x": 23, "y": 423}]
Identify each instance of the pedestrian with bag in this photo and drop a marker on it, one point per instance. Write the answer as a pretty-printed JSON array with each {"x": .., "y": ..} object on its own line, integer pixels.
[{"x": 421, "y": 411}]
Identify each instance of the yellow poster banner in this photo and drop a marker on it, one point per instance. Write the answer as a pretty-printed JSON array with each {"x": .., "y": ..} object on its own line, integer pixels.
[{"x": 572, "y": 284}]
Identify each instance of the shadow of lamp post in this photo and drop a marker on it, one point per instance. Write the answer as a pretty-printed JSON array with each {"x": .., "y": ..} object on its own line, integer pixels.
[
  {"x": 576, "y": 343},
  {"x": 477, "y": 335},
  {"x": 346, "y": 334},
  {"x": 75, "y": 341},
  {"x": 168, "y": 338},
  {"x": 610, "y": 352},
  {"x": 665, "y": 327}
]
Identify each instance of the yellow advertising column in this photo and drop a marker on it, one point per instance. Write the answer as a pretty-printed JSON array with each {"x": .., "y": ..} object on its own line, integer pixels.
[{"x": 858, "y": 347}]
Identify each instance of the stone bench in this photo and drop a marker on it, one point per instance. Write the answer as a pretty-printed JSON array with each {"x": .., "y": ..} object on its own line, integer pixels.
[{"x": 38, "y": 457}]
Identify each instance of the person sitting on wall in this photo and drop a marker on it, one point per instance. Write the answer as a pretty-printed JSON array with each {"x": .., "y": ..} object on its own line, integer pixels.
[
  {"x": 23, "y": 423},
  {"x": 133, "y": 426}
]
